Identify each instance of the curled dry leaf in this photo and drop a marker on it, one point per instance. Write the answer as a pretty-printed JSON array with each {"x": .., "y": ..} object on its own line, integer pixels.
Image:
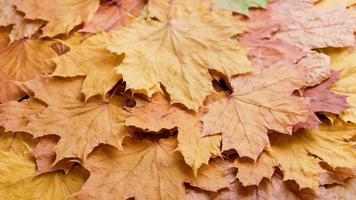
[
  {"x": 158, "y": 114},
  {"x": 185, "y": 55},
  {"x": 22, "y": 61},
  {"x": 61, "y": 15},
  {"x": 87, "y": 57},
  {"x": 81, "y": 126},
  {"x": 153, "y": 167},
  {"x": 115, "y": 15},
  {"x": 259, "y": 102}
]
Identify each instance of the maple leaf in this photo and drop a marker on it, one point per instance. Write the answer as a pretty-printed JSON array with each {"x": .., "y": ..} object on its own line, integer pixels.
[
  {"x": 17, "y": 180},
  {"x": 152, "y": 167},
  {"x": 346, "y": 191},
  {"x": 22, "y": 61},
  {"x": 61, "y": 15},
  {"x": 158, "y": 114},
  {"x": 252, "y": 173},
  {"x": 318, "y": 66},
  {"x": 21, "y": 27},
  {"x": 240, "y": 6},
  {"x": 89, "y": 58},
  {"x": 115, "y": 15},
  {"x": 184, "y": 53},
  {"x": 275, "y": 189},
  {"x": 324, "y": 100},
  {"x": 267, "y": 50},
  {"x": 14, "y": 116},
  {"x": 302, "y": 20},
  {"x": 45, "y": 156},
  {"x": 259, "y": 102},
  {"x": 81, "y": 126},
  {"x": 301, "y": 166},
  {"x": 344, "y": 59}
]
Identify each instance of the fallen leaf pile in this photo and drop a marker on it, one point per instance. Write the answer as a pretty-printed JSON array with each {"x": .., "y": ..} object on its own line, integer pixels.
[{"x": 178, "y": 99}]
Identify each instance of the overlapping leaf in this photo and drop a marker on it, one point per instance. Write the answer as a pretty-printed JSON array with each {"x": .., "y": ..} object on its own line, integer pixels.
[
  {"x": 259, "y": 102},
  {"x": 81, "y": 126},
  {"x": 175, "y": 48},
  {"x": 152, "y": 167},
  {"x": 158, "y": 114}
]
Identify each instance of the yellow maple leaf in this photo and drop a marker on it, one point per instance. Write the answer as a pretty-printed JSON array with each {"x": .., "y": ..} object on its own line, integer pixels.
[
  {"x": 329, "y": 144},
  {"x": 144, "y": 170},
  {"x": 174, "y": 52},
  {"x": 88, "y": 57},
  {"x": 81, "y": 126},
  {"x": 22, "y": 61},
  {"x": 259, "y": 102},
  {"x": 345, "y": 59},
  {"x": 158, "y": 114},
  {"x": 17, "y": 174},
  {"x": 61, "y": 15}
]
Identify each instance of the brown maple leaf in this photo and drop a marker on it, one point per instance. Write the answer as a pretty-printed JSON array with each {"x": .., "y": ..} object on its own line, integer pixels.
[
  {"x": 144, "y": 170},
  {"x": 22, "y": 61},
  {"x": 259, "y": 102},
  {"x": 81, "y": 126},
  {"x": 159, "y": 114},
  {"x": 61, "y": 15}
]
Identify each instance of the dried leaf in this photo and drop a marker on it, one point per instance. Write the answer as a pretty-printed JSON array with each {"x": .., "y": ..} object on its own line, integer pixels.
[
  {"x": 115, "y": 15},
  {"x": 303, "y": 25},
  {"x": 152, "y": 167},
  {"x": 14, "y": 116},
  {"x": 45, "y": 156},
  {"x": 18, "y": 180},
  {"x": 184, "y": 54},
  {"x": 22, "y": 61},
  {"x": 259, "y": 102},
  {"x": 81, "y": 126},
  {"x": 21, "y": 27},
  {"x": 329, "y": 144},
  {"x": 344, "y": 59},
  {"x": 61, "y": 15},
  {"x": 89, "y": 58},
  {"x": 324, "y": 100},
  {"x": 252, "y": 173},
  {"x": 158, "y": 114}
]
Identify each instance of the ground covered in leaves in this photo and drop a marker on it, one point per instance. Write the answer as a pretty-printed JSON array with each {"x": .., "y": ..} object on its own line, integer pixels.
[{"x": 178, "y": 99}]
